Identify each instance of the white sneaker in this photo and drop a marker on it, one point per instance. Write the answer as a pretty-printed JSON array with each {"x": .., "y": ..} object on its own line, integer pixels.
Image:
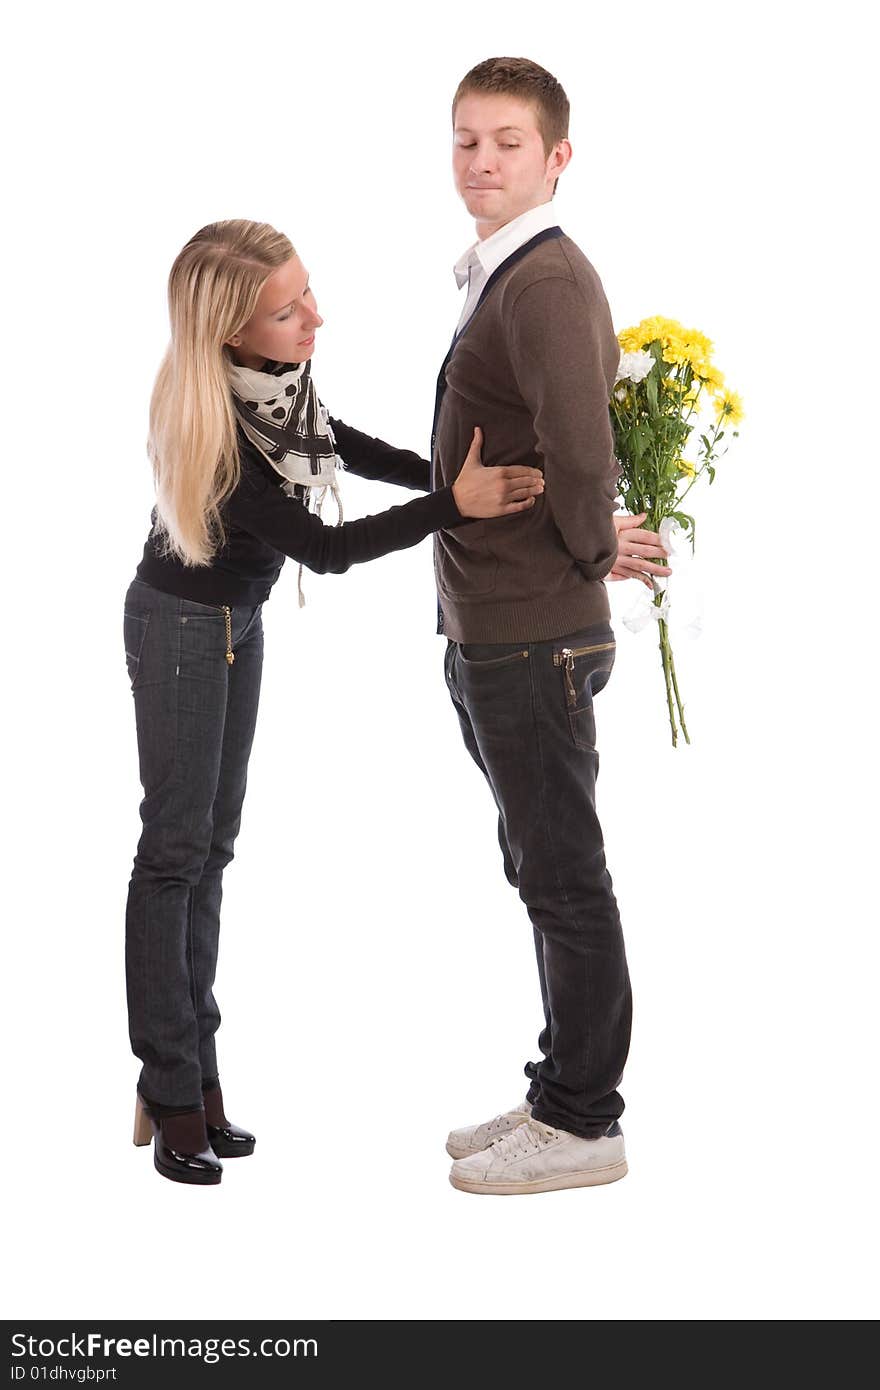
[
  {"x": 535, "y": 1158},
  {"x": 475, "y": 1138}
]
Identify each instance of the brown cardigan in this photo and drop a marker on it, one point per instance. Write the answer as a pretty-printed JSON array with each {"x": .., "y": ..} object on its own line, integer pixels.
[{"x": 534, "y": 367}]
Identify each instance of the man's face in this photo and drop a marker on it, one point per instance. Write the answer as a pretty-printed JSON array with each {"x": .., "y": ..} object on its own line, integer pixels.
[{"x": 498, "y": 160}]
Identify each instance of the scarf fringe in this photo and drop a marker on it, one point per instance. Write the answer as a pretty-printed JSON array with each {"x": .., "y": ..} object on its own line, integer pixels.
[{"x": 333, "y": 487}]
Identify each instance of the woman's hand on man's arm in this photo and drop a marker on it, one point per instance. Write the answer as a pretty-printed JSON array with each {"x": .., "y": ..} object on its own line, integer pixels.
[{"x": 497, "y": 491}]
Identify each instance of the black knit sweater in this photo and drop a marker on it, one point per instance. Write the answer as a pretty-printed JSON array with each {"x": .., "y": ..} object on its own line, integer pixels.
[{"x": 264, "y": 525}]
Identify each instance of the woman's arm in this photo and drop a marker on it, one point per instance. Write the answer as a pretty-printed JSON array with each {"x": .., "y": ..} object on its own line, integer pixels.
[
  {"x": 259, "y": 507},
  {"x": 373, "y": 458}
]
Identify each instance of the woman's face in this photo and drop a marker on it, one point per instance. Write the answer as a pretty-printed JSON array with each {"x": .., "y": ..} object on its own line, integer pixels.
[{"x": 282, "y": 327}]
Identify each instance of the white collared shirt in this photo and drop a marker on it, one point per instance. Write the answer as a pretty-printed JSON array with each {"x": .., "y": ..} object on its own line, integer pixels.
[{"x": 479, "y": 261}]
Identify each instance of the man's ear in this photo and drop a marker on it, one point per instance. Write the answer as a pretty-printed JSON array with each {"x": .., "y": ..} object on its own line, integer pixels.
[{"x": 565, "y": 148}]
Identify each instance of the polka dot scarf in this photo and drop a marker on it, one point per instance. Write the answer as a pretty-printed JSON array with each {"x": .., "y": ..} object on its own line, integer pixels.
[
  {"x": 280, "y": 413},
  {"x": 282, "y": 416}
]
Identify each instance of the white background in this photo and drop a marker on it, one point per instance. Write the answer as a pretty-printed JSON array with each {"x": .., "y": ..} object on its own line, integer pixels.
[{"x": 377, "y": 977}]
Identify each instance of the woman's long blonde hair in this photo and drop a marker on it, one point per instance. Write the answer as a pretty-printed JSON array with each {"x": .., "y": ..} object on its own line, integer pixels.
[{"x": 213, "y": 289}]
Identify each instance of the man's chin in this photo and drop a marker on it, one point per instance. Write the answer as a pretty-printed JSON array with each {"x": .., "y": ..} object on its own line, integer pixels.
[{"x": 483, "y": 208}]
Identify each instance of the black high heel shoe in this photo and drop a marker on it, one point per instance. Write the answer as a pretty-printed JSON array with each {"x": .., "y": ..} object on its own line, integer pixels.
[
  {"x": 181, "y": 1150},
  {"x": 226, "y": 1139}
]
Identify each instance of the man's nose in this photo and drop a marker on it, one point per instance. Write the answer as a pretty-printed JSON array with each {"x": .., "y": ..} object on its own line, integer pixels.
[{"x": 485, "y": 160}]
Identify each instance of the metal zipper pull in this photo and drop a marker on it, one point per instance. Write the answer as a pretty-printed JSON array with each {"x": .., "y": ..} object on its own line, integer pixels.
[
  {"x": 565, "y": 657},
  {"x": 568, "y": 656},
  {"x": 230, "y": 654}
]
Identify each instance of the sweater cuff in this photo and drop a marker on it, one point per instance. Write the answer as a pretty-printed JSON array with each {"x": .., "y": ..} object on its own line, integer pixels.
[{"x": 450, "y": 515}]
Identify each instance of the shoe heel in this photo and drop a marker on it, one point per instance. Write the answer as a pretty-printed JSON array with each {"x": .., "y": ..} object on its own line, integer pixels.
[{"x": 143, "y": 1130}]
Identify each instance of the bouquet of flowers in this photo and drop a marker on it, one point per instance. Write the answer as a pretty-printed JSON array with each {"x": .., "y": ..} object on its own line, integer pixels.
[{"x": 666, "y": 383}]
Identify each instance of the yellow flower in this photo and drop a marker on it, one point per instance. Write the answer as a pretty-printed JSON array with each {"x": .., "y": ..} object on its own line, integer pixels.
[
  {"x": 678, "y": 352},
  {"x": 730, "y": 408},
  {"x": 712, "y": 378},
  {"x": 684, "y": 348},
  {"x": 687, "y": 468},
  {"x": 670, "y": 333},
  {"x": 655, "y": 329},
  {"x": 687, "y": 346},
  {"x": 632, "y": 340},
  {"x": 698, "y": 343}
]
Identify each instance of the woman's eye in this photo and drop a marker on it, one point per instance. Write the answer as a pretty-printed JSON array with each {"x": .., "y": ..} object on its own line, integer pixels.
[{"x": 283, "y": 317}]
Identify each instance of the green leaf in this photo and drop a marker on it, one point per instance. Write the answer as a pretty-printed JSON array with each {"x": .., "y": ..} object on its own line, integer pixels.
[{"x": 651, "y": 387}]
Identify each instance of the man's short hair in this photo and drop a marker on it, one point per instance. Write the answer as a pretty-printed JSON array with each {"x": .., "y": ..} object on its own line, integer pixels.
[{"x": 520, "y": 77}]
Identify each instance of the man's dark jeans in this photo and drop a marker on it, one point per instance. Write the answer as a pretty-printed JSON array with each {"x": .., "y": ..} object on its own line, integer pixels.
[
  {"x": 195, "y": 716},
  {"x": 526, "y": 713}
]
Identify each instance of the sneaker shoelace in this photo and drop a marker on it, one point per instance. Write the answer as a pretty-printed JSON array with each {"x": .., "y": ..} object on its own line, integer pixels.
[
  {"x": 527, "y": 1138},
  {"x": 498, "y": 1122}
]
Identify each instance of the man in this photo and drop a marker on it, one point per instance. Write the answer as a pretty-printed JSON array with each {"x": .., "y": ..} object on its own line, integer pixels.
[{"x": 525, "y": 611}]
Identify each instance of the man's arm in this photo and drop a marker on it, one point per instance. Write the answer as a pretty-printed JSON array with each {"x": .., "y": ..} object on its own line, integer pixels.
[
  {"x": 562, "y": 345},
  {"x": 373, "y": 458}
]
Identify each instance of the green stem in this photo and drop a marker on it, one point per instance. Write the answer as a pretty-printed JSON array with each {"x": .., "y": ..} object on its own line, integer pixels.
[
  {"x": 678, "y": 697},
  {"x": 664, "y": 656},
  {"x": 679, "y": 500},
  {"x": 712, "y": 435}
]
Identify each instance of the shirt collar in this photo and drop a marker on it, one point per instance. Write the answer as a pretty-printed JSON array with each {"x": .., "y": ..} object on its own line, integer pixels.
[{"x": 501, "y": 244}]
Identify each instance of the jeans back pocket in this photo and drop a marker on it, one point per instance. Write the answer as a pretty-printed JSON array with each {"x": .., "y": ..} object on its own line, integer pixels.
[
  {"x": 488, "y": 656},
  {"x": 134, "y": 628},
  {"x": 585, "y": 671}
]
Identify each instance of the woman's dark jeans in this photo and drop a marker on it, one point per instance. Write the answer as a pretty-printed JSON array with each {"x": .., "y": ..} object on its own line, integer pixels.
[
  {"x": 526, "y": 713},
  {"x": 195, "y": 716}
]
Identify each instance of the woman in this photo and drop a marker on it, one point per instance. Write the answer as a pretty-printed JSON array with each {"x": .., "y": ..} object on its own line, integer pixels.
[{"x": 240, "y": 445}]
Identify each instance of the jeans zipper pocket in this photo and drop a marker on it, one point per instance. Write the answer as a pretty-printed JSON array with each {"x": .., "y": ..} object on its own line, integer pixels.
[
  {"x": 230, "y": 654},
  {"x": 227, "y": 613},
  {"x": 566, "y": 657}
]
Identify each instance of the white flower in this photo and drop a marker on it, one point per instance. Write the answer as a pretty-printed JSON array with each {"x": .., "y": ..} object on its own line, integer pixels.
[{"x": 634, "y": 366}]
